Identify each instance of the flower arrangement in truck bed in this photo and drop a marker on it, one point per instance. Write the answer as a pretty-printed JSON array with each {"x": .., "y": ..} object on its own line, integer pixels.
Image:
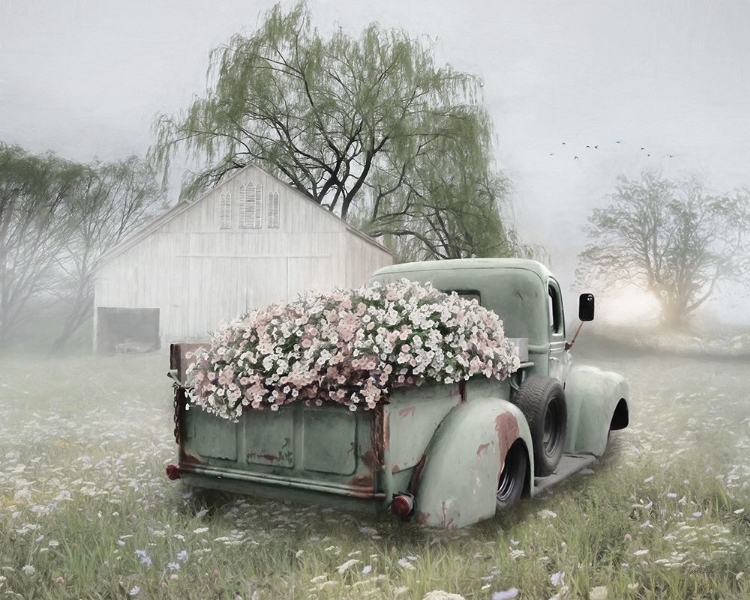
[{"x": 350, "y": 346}]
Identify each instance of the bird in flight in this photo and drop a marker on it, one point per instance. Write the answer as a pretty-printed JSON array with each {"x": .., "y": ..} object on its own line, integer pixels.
[
  {"x": 575, "y": 158},
  {"x": 596, "y": 147},
  {"x": 617, "y": 142},
  {"x": 642, "y": 148}
]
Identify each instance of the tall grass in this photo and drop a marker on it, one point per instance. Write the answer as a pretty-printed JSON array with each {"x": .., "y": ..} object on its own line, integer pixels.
[{"x": 84, "y": 442}]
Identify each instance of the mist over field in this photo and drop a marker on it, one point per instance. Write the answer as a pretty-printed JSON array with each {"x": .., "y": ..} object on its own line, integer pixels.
[{"x": 592, "y": 118}]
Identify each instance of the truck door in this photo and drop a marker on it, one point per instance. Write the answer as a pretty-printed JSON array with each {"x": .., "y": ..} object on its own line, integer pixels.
[{"x": 556, "y": 331}]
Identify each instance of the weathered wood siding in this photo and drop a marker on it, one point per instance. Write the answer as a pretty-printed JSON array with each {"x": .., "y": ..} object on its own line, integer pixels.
[{"x": 199, "y": 274}]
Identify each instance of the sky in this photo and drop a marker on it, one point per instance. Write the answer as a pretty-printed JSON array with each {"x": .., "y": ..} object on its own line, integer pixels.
[{"x": 85, "y": 78}]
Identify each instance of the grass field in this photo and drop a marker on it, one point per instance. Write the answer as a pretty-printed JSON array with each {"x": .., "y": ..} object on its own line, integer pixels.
[{"x": 86, "y": 511}]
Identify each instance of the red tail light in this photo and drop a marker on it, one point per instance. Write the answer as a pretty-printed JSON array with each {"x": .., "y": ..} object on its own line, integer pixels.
[
  {"x": 173, "y": 472},
  {"x": 402, "y": 505}
]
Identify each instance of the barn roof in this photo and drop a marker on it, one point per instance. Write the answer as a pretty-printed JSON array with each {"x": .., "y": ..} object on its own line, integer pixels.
[{"x": 182, "y": 206}]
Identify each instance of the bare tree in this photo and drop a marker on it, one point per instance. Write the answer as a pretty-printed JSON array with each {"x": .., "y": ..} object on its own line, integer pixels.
[
  {"x": 110, "y": 201},
  {"x": 673, "y": 239}
]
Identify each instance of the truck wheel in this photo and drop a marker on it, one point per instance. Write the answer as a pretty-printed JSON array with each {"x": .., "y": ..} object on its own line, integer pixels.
[
  {"x": 512, "y": 477},
  {"x": 542, "y": 402}
]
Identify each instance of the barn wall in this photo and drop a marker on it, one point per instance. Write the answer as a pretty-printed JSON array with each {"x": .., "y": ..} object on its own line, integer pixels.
[
  {"x": 362, "y": 259},
  {"x": 199, "y": 275}
]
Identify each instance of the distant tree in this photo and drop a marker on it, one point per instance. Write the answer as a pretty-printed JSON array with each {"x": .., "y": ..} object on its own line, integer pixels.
[
  {"x": 34, "y": 226},
  {"x": 366, "y": 125},
  {"x": 673, "y": 239},
  {"x": 108, "y": 202}
]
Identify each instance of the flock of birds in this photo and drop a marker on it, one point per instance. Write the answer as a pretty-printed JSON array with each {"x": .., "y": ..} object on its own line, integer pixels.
[{"x": 596, "y": 147}]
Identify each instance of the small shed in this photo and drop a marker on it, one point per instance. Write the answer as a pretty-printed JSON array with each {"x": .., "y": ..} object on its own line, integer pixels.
[{"x": 251, "y": 241}]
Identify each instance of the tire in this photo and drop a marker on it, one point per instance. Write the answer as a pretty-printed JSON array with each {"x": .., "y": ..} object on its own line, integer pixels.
[
  {"x": 542, "y": 402},
  {"x": 512, "y": 477}
]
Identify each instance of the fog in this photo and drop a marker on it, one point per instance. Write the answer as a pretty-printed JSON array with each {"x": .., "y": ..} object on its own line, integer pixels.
[{"x": 85, "y": 79}]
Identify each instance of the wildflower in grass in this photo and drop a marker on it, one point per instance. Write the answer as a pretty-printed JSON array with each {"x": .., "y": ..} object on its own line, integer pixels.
[
  {"x": 697, "y": 514},
  {"x": 405, "y": 564},
  {"x": 547, "y": 514},
  {"x": 506, "y": 594},
  {"x": 640, "y": 552},
  {"x": 173, "y": 566},
  {"x": 59, "y": 580},
  {"x": 28, "y": 570},
  {"x": 143, "y": 558},
  {"x": 182, "y": 556},
  {"x": 556, "y": 579},
  {"x": 648, "y": 479},
  {"x": 174, "y": 576},
  {"x": 343, "y": 568},
  {"x": 599, "y": 592},
  {"x": 200, "y": 530},
  {"x": 366, "y": 569},
  {"x": 120, "y": 542},
  {"x": 671, "y": 495},
  {"x": 135, "y": 590}
]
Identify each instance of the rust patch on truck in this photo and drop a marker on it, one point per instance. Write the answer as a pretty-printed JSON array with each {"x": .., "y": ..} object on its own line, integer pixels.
[
  {"x": 422, "y": 518},
  {"x": 482, "y": 448},
  {"x": 416, "y": 474},
  {"x": 405, "y": 412},
  {"x": 508, "y": 432},
  {"x": 362, "y": 481},
  {"x": 188, "y": 459},
  {"x": 386, "y": 429}
]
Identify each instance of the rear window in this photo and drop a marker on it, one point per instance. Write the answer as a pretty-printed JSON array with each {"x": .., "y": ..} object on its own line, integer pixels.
[{"x": 467, "y": 294}]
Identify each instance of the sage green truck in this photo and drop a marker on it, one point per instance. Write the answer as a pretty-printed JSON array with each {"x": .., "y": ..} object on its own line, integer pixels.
[{"x": 441, "y": 455}]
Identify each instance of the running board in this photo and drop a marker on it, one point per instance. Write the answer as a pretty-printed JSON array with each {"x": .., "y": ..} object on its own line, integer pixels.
[{"x": 569, "y": 465}]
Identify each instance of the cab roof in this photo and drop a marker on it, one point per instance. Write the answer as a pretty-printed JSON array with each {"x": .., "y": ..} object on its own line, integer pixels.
[{"x": 469, "y": 263}]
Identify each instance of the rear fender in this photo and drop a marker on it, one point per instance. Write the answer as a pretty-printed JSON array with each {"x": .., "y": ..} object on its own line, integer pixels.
[
  {"x": 593, "y": 396},
  {"x": 463, "y": 461}
]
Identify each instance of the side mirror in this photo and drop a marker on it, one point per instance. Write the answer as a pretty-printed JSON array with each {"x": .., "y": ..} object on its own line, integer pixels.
[{"x": 586, "y": 307}]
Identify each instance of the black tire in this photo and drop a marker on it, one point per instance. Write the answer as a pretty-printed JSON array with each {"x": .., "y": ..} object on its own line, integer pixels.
[
  {"x": 512, "y": 477},
  {"x": 542, "y": 402}
]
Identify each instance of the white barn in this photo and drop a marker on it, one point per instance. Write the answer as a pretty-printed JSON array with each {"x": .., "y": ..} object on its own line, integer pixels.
[{"x": 251, "y": 241}]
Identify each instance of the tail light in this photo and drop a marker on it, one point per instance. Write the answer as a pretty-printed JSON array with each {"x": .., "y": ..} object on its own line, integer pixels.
[
  {"x": 402, "y": 505},
  {"x": 173, "y": 472}
]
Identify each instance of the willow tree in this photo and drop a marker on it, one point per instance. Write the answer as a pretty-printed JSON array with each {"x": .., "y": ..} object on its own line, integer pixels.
[
  {"x": 674, "y": 239},
  {"x": 34, "y": 227},
  {"x": 368, "y": 125}
]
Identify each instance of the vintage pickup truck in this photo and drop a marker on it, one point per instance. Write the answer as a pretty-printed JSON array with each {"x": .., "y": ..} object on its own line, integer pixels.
[{"x": 442, "y": 455}]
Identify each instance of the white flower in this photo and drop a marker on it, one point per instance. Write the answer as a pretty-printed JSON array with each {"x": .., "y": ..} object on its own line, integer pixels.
[
  {"x": 135, "y": 591},
  {"x": 506, "y": 595},
  {"x": 28, "y": 570},
  {"x": 346, "y": 566},
  {"x": 173, "y": 566},
  {"x": 557, "y": 578}
]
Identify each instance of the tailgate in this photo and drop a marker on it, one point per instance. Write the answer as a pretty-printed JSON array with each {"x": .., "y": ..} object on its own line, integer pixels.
[{"x": 327, "y": 449}]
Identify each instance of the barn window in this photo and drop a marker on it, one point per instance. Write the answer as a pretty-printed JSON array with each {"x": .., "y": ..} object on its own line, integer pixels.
[
  {"x": 225, "y": 216},
  {"x": 251, "y": 206},
  {"x": 273, "y": 210}
]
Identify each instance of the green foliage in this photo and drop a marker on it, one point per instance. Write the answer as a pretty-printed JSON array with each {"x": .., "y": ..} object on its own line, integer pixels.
[
  {"x": 57, "y": 218},
  {"x": 110, "y": 201},
  {"x": 674, "y": 239},
  {"x": 34, "y": 224},
  {"x": 368, "y": 125}
]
